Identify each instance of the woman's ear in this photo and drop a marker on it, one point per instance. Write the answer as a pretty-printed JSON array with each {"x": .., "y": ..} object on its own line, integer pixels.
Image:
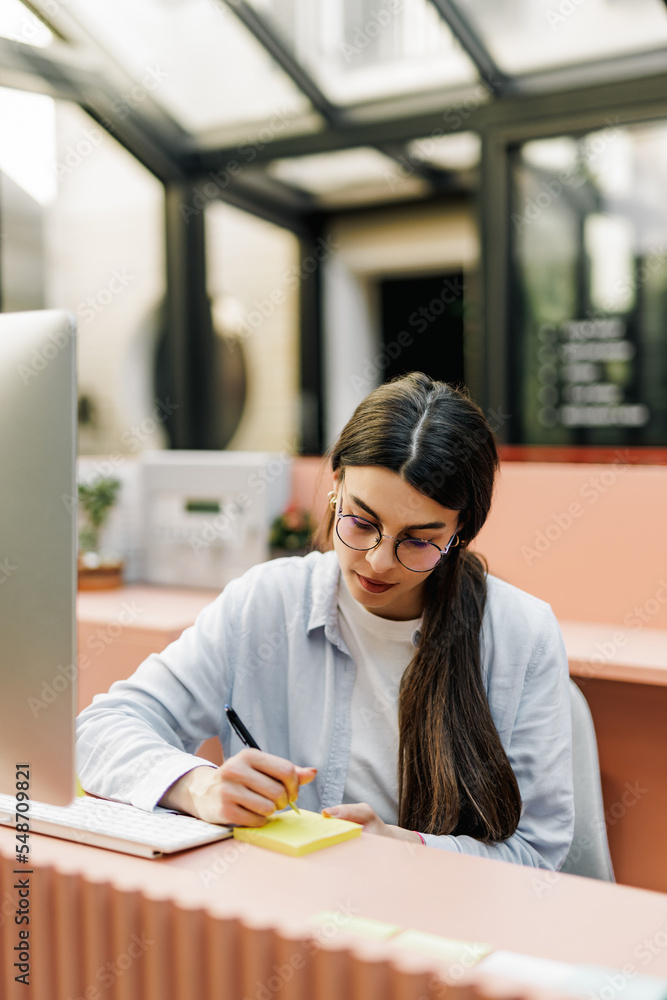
[
  {"x": 334, "y": 495},
  {"x": 464, "y": 517}
]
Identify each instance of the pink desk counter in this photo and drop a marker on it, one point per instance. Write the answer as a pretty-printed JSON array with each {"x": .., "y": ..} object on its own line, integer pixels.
[
  {"x": 230, "y": 921},
  {"x": 623, "y": 674}
]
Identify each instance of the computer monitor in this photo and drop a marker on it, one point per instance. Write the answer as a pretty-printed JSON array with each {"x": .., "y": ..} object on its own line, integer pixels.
[{"x": 38, "y": 552}]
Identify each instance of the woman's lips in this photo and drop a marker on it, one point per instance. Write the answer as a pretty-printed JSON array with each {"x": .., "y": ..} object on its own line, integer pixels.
[{"x": 372, "y": 586}]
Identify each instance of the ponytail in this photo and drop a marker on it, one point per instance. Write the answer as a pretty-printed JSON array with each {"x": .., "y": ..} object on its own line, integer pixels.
[{"x": 454, "y": 776}]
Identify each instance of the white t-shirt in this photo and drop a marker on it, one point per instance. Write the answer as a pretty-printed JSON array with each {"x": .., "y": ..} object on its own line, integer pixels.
[{"x": 381, "y": 650}]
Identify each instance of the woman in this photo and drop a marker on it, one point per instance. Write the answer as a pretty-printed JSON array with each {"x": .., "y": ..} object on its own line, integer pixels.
[{"x": 390, "y": 681}]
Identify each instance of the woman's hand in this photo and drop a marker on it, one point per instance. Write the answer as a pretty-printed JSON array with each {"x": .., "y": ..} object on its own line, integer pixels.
[
  {"x": 361, "y": 812},
  {"x": 244, "y": 791}
]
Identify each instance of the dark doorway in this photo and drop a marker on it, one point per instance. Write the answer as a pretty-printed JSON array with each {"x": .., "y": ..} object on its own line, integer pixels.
[{"x": 422, "y": 326}]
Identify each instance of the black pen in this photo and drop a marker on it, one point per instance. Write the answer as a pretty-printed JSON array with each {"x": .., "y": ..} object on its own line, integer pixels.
[{"x": 245, "y": 737}]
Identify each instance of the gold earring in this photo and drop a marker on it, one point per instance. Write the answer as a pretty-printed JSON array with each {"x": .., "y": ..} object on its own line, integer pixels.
[
  {"x": 454, "y": 544},
  {"x": 332, "y": 499}
]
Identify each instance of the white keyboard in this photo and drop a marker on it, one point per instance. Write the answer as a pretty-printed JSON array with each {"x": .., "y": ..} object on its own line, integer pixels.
[{"x": 116, "y": 826}]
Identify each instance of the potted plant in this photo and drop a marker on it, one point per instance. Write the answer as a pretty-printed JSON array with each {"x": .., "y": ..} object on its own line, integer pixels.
[
  {"x": 290, "y": 532},
  {"x": 98, "y": 570}
]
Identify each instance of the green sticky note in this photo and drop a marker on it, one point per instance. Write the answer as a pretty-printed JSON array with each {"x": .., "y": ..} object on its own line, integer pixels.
[
  {"x": 298, "y": 833},
  {"x": 365, "y": 927},
  {"x": 446, "y": 949}
]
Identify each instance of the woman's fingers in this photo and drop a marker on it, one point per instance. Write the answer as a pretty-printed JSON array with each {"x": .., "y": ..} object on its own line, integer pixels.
[
  {"x": 260, "y": 773},
  {"x": 357, "y": 812},
  {"x": 262, "y": 783},
  {"x": 244, "y": 807}
]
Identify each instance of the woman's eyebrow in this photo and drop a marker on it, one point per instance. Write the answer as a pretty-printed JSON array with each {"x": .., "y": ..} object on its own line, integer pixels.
[{"x": 432, "y": 525}]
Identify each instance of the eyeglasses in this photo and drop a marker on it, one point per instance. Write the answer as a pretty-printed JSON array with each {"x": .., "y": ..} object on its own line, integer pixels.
[{"x": 415, "y": 554}]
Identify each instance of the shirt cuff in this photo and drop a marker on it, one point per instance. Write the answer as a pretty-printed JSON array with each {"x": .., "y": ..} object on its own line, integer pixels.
[
  {"x": 150, "y": 790},
  {"x": 444, "y": 843}
]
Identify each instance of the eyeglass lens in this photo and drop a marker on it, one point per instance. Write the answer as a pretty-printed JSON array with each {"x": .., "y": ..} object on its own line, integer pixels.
[{"x": 413, "y": 553}]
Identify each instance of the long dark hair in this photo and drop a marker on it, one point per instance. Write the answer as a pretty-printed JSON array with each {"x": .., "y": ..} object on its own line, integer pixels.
[{"x": 453, "y": 773}]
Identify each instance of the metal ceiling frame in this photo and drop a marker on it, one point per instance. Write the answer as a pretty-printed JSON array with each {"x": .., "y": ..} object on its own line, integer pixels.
[
  {"x": 164, "y": 147},
  {"x": 271, "y": 43},
  {"x": 502, "y": 109},
  {"x": 471, "y": 114},
  {"x": 155, "y": 140},
  {"x": 472, "y": 44}
]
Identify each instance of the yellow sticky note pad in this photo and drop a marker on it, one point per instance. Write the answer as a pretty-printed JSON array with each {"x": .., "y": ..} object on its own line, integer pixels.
[
  {"x": 365, "y": 927},
  {"x": 469, "y": 953},
  {"x": 298, "y": 833}
]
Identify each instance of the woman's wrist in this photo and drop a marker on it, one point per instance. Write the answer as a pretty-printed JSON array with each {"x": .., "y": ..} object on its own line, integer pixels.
[
  {"x": 402, "y": 834},
  {"x": 186, "y": 789}
]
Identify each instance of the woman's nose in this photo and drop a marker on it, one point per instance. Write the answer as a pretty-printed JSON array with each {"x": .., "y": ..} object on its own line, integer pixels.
[{"x": 382, "y": 557}]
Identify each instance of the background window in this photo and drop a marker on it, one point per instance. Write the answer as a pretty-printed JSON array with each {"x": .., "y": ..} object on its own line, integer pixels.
[{"x": 589, "y": 288}]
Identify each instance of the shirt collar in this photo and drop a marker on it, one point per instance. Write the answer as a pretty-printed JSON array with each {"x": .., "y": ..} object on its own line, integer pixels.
[{"x": 324, "y": 610}]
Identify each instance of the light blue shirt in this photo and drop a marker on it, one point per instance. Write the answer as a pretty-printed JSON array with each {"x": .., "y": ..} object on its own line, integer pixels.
[{"x": 270, "y": 645}]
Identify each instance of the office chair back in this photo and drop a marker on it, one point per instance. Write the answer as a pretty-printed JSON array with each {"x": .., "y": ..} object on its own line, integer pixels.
[{"x": 589, "y": 853}]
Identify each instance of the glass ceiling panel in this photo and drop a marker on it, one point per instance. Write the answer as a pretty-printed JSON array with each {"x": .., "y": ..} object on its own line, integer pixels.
[
  {"x": 349, "y": 177},
  {"x": 199, "y": 63},
  {"x": 458, "y": 151},
  {"x": 362, "y": 50},
  {"x": 20, "y": 25},
  {"x": 531, "y": 35}
]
